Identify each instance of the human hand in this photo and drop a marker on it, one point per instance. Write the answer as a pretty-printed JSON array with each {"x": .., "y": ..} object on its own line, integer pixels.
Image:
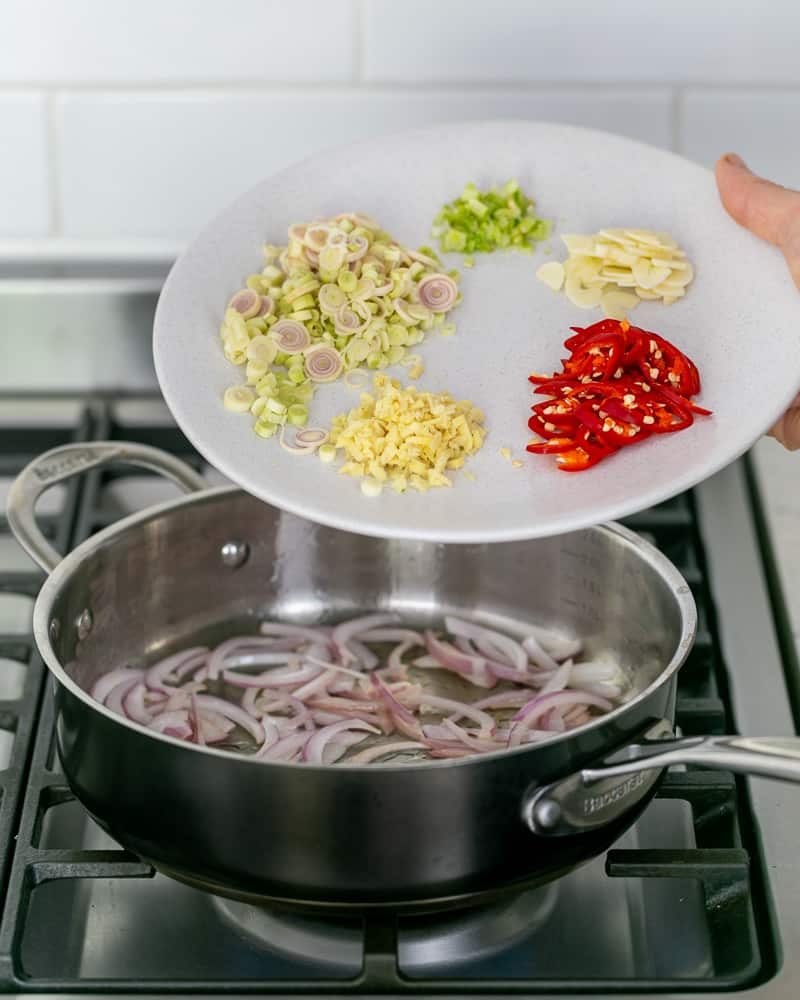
[{"x": 773, "y": 213}]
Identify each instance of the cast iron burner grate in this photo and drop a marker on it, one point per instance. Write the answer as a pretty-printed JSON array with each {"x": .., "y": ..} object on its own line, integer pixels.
[{"x": 679, "y": 905}]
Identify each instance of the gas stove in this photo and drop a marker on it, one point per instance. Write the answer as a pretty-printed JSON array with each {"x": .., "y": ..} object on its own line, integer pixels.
[{"x": 701, "y": 896}]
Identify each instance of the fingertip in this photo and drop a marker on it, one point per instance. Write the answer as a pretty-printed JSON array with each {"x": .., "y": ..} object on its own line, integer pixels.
[{"x": 732, "y": 160}]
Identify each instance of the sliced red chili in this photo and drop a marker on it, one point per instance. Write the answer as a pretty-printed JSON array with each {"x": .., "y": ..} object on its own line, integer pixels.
[{"x": 621, "y": 384}]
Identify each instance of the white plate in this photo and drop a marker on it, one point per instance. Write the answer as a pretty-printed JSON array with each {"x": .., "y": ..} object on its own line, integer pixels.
[{"x": 739, "y": 322}]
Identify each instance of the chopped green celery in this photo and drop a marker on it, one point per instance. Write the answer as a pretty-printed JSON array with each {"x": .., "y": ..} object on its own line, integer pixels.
[
  {"x": 296, "y": 374},
  {"x": 297, "y": 415},
  {"x": 264, "y": 430},
  {"x": 482, "y": 221},
  {"x": 395, "y": 354},
  {"x": 304, "y": 393}
]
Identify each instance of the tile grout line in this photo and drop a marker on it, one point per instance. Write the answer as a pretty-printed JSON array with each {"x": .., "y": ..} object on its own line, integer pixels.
[
  {"x": 53, "y": 159},
  {"x": 281, "y": 87}
]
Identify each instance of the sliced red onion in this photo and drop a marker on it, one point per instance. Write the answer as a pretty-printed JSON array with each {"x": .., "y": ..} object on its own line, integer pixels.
[
  {"x": 287, "y": 748},
  {"x": 106, "y": 683},
  {"x": 529, "y": 714},
  {"x": 241, "y": 645},
  {"x": 157, "y": 674},
  {"x": 471, "y": 667},
  {"x": 266, "y": 658},
  {"x": 233, "y": 712},
  {"x": 504, "y": 699},
  {"x": 133, "y": 704},
  {"x": 493, "y": 645},
  {"x": 313, "y": 750},
  {"x": 470, "y": 739},
  {"x": 559, "y": 680},
  {"x": 246, "y": 302},
  {"x": 345, "y": 631},
  {"x": 290, "y": 335},
  {"x": 338, "y": 747},
  {"x": 392, "y": 635},
  {"x": 538, "y": 654},
  {"x": 365, "y": 657},
  {"x": 317, "y": 685},
  {"x": 116, "y": 696},
  {"x": 459, "y": 709},
  {"x": 295, "y": 674},
  {"x": 438, "y": 292},
  {"x": 402, "y": 718},
  {"x": 505, "y": 673},
  {"x": 175, "y": 724},
  {"x": 323, "y": 363}
]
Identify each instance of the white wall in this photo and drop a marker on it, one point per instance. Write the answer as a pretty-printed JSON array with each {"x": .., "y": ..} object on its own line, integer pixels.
[{"x": 133, "y": 121}]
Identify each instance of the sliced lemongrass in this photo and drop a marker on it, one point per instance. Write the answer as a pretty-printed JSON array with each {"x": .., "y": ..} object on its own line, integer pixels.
[
  {"x": 246, "y": 302},
  {"x": 327, "y": 453},
  {"x": 294, "y": 449},
  {"x": 290, "y": 336},
  {"x": 437, "y": 292},
  {"x": 238, "y": 398},
  {"x": 371, "y": 487},
  {"x": 552, "y": 274},
  {"x": 313, "y": 437},
  {"x": 356, "y": 379},
  {"x": 262, "y": 349},
  {"x": 323, "y": 363}
]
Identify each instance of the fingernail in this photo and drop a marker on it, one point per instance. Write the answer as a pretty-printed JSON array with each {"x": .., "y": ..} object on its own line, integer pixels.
[{"x": 734, "y": 160}]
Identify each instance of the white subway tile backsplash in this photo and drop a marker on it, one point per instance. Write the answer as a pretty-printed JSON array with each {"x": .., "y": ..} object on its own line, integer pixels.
[
  {"x": 155, "y": 41},
  {"x": 160, "y": 165},
  {"x": 24, "y": 198},
  {"x": 761, "y": 126},
  {"x": 582, "y": 40}
]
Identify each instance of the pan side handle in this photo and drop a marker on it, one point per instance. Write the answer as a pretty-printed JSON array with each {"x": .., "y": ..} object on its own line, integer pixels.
[
  {"x": 62, "y": 463},
  {"x": 597, "y": 795}
]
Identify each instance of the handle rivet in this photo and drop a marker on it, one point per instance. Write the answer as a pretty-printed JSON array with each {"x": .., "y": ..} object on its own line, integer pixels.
[
  {"x": 84, "y": 623},
  {"x": 547, "y": 814},
  {"x": 55, "y": 630},
  {"x": 234, "y": 554}
]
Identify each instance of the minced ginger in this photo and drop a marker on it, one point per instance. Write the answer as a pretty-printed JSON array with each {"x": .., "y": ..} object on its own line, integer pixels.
[{"x": 406, "y": 438}]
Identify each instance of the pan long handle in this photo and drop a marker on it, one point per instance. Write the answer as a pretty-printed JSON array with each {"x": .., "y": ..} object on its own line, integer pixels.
[
  {"x": 62, "y": 463},
  {"x": 596, "y": 796},
  {"x": 765, "y": 756}
]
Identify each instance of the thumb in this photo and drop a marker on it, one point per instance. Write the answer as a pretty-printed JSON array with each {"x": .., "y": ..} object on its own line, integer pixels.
[
  {"x": 766, "y": 209},
  {"x": 787, "y": 429}
]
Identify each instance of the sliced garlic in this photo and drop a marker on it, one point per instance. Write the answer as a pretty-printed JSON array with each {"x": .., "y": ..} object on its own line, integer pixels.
[
  {"x": 552, "y": 274},
  {"x": 579, "y": 295},
  {"x": 617, "y": 304},
  {"x": 648, "y": 263}
]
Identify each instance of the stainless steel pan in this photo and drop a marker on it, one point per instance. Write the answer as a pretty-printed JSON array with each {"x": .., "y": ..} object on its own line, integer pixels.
[{"x": 398, "y": 834}]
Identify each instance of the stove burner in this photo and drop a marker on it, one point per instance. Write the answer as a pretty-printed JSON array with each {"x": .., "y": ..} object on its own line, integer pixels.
[{"x": 425, "y": 942}]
